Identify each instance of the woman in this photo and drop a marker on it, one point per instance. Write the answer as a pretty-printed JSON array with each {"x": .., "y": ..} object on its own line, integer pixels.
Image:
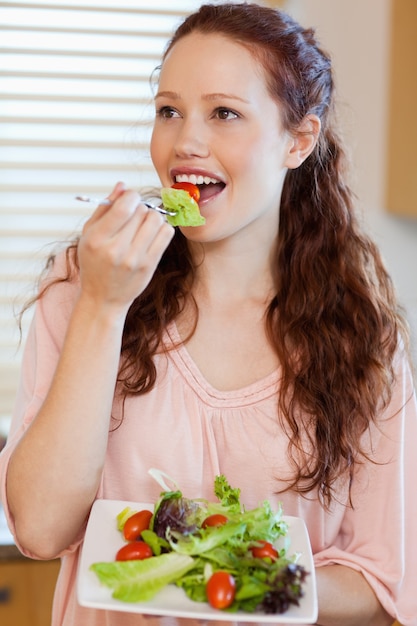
[{"x": 264, "y": 345}]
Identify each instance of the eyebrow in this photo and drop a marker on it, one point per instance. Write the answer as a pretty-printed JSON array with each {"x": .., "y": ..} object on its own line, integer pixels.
[{"x": 210, "y": 97}]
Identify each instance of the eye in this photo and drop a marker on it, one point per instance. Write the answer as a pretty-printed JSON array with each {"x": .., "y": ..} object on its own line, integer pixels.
[
  {"x": 222, "y": 113},
  {"x": 167, "y": 113}
]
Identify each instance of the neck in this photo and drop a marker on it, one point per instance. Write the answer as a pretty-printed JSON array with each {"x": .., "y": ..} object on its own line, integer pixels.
[{"x": 231, "y": 274}]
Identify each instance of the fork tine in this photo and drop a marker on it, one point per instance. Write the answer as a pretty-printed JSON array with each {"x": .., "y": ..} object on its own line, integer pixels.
[{"x": 160, "y": 209}]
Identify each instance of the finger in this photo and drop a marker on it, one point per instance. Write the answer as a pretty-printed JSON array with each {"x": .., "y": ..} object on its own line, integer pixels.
[
  {"x": 109, "y": 222},
  {"x": 134, "y": 237},
  {"x": 153, "y": 235},
  {"x": 102, "y": 209},
  {"x": 118, "y": 191},
  {"x": 146, "y": 249},
  {"x": 161, "y": 242}
]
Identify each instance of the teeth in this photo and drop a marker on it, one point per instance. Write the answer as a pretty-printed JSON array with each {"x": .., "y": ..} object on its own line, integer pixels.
[{"x": 195, "y": 180}]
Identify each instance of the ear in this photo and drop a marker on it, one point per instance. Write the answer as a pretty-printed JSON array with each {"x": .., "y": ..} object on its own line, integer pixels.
[{"x": 303, "y": 141}]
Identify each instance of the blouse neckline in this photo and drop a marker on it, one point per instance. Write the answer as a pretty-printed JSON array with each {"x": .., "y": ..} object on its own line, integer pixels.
[{"x": 249, "y": 394}]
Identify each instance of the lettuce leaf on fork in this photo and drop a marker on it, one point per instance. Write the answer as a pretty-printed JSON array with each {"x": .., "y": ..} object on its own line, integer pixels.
[{"x": 187, "y": 212}]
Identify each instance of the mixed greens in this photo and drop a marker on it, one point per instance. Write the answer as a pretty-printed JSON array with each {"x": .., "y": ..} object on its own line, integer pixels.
[{"x": 208, "y": 549}]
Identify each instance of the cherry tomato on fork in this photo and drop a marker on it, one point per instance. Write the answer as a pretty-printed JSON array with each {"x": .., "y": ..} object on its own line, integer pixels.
[
  {"x": 192, "y": 189},
  {"x": 134, "y": 551},
  {"x": 135, "y": 524},
  {"x": 217, "y": 519},
  {"x": 265, "y": 550},
  {"x": 221, "y": 590}
]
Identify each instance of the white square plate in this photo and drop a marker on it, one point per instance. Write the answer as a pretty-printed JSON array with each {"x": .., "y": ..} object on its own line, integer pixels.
[{"x": 102, "y": 541}]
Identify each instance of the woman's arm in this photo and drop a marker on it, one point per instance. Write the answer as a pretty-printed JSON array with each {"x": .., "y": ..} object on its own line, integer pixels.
[
  {"x": 55, "y": 470},
  {"x": 378, "y": 532},
  {"x": 346, "y": 599}
]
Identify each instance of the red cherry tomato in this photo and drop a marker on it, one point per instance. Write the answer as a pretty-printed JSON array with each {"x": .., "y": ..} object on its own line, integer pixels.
[
  {"x": 266, "y": 550},
  {"x": 134, "y": 551},
  {"x": 221, "y": 590},
  {"x": 193, "y": 190},
  {"x": 217, "y": 519},
  {"x": 135, "y": 524}
]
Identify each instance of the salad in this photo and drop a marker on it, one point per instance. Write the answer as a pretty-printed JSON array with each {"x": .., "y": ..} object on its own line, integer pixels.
[
  {"x": 217, "y": 552},
  {"x": 182, "y": 199}
]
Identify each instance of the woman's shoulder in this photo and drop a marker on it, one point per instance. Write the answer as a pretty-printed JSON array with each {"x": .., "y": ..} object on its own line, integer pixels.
[
  {"x": 59, "y": 283},
  {"x": 61, "y": 266}
]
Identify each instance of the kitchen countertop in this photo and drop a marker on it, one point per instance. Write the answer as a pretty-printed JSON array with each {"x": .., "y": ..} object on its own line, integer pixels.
[{"x": 8, "y": 549}]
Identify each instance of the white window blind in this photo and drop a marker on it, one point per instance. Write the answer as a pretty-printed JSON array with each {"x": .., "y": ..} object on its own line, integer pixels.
[{"x": 74, "y": 118}]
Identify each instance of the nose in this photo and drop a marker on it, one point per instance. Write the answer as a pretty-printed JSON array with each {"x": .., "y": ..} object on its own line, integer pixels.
[{"x": 191, "y": 140}]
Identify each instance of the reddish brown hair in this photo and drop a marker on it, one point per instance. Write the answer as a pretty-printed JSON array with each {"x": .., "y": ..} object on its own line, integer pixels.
[{"x": 333, "y": 321}]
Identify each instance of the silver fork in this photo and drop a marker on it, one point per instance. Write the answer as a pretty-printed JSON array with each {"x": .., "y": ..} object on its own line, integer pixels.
[{"x": 106, "y": 201}]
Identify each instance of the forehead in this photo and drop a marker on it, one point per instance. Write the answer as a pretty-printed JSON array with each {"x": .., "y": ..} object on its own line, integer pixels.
[{"x": 211, "y": 59}]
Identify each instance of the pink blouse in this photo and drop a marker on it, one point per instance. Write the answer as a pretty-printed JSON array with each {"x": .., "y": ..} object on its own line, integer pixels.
[{"x": 193, "y": 432}]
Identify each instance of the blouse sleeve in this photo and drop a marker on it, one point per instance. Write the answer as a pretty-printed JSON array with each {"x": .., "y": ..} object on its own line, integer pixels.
[
  {"x": 42, "y": 349},
  {"x": 378, "y": 535}
]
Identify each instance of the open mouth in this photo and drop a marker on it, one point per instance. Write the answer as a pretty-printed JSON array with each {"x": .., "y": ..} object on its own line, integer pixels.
[{"x": 209, "y": 187}]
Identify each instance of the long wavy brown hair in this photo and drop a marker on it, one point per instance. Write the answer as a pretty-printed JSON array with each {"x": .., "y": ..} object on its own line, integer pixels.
[{"x": 334, "y": 321}]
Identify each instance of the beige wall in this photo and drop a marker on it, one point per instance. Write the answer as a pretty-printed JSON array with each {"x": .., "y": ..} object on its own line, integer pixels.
[{"x": 357, "y": 34}]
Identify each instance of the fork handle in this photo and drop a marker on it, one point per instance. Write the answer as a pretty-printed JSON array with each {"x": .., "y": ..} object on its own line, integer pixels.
[{"x": 107, "y": 202}]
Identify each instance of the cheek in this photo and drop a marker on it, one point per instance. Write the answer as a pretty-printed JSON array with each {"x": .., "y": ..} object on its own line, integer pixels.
[
  {"x": 250, "y": 167},
  {"x": 238, "y": 157},
  {"x": 159, "y": 151},
  {"x": 255, "y": 153},
  {"x": 154, "y": 150}
]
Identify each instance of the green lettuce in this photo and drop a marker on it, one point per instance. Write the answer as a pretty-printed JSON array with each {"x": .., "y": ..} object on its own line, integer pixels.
[
  {"x": 140, "y": 581},
  {"x": 207, "y": 539},
  {"x": 187, "y": 212},
  {"x": 123, "y": 517}
]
